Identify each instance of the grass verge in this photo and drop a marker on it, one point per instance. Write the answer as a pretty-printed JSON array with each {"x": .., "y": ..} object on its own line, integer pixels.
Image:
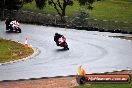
[
  {"x": 122, "y": 37},
  {"x": 10, "y": 50},
  {"x": 113, "y": 10}
]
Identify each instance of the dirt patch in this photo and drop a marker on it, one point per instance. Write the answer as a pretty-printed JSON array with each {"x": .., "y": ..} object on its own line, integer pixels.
[{"x": 61, "y": 82}]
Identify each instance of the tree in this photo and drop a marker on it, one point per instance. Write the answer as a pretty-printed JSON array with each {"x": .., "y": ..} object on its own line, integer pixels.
[
  {"x": 86, "y": 2},
  {"x": 13, "y": 4},
  {"x": 60, "y": 5},
  {"x": 40, "y": 3}
]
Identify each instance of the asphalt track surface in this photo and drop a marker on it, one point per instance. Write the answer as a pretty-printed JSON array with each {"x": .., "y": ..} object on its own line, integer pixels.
[{"x": 93, "y": 50}]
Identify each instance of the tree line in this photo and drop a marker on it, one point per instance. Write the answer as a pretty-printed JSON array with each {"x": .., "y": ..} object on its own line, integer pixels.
[{"x": 59, "y": 5}]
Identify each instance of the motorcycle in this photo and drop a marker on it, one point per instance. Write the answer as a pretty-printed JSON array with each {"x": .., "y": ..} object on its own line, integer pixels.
[
  {"x": 14, "y": 26},
  {"x": 62, "y": 43}
]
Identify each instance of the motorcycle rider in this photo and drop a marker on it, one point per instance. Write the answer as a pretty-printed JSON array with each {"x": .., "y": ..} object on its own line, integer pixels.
[
  {"x": 56, "y": 37},
  {"x": 7, "y": 22}
]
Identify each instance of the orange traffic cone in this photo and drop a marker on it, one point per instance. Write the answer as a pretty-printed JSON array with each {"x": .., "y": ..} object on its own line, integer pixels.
[
  {"x": 26, "y": 43},
  {"x": 81, "y": 71}
]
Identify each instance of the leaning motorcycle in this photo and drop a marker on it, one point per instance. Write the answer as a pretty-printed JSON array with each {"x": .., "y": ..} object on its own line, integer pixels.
[
  {"x": 14, "y": 26},
  {"x": 63, "y": 43}
]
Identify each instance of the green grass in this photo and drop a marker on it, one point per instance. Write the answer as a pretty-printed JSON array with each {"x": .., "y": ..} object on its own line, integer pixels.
[
  {"x": 119, "y": 10},
  {"x": 125, "y": 85},
  {"x": 115, "y": 10},
  {"x": 10, "y": 50},
  {"x": 106, "y": 86}
]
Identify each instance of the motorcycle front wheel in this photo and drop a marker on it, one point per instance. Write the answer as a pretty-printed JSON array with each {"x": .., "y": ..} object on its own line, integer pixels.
[
  {"x": 18, "y": 30},
  {"x": 66, "y": 46}
]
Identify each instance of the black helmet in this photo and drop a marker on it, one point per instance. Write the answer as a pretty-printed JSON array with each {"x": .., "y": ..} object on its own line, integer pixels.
[{"x": 56, "y": 33}]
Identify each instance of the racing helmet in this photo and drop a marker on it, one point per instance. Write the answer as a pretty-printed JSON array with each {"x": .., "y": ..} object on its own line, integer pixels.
[{"x": 56, "y": 34}]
